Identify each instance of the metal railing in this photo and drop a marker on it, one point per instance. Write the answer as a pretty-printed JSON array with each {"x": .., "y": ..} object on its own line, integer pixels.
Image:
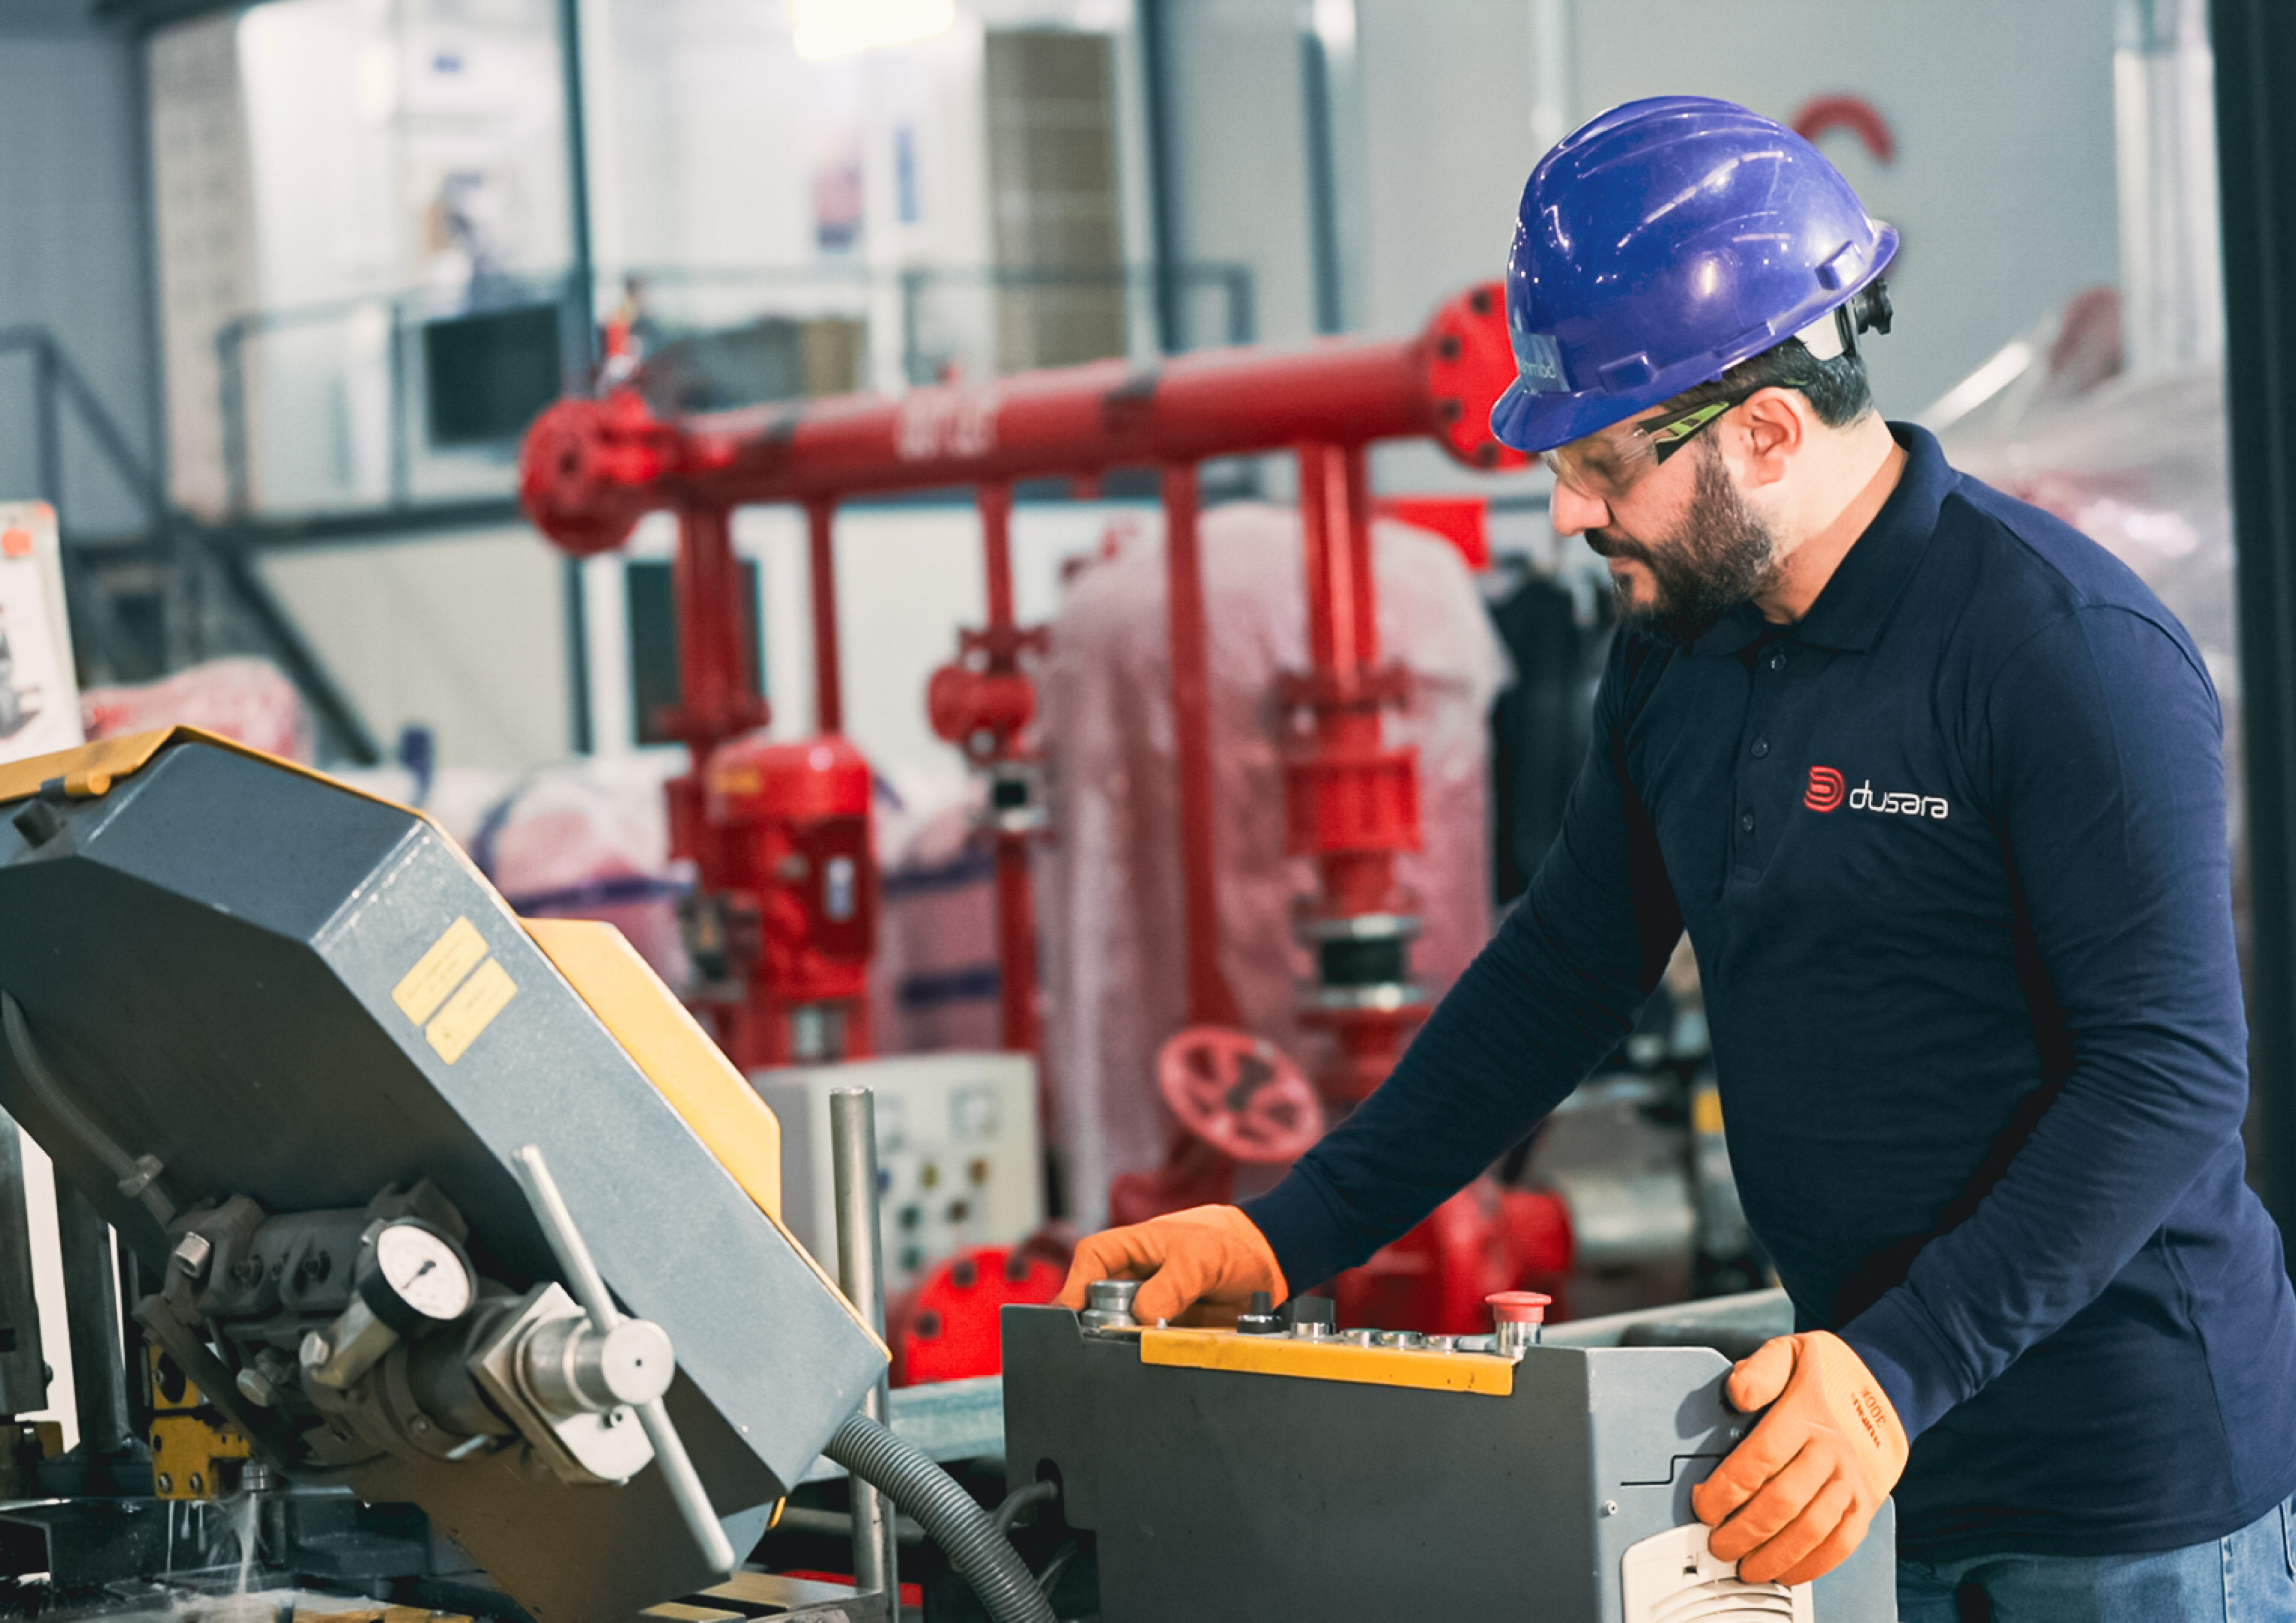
[{"x": 186, "y": 559}]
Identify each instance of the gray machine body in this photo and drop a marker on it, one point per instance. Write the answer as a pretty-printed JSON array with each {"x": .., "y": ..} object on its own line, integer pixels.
[
  {"x": 1216, "y": 1494},
  {"x": 207, "y": 956}
]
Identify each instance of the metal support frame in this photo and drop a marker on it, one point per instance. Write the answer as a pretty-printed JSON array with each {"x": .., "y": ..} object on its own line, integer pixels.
[
  {"x": 2255, "y": 44},
  {"x": 1155, "y": 24},
  {"x": 1321, "y": 148},
  {"x": 170, "y": 538}
]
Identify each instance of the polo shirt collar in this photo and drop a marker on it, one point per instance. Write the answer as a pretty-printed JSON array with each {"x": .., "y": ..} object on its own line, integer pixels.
[{"x": 1850, "y": 613}]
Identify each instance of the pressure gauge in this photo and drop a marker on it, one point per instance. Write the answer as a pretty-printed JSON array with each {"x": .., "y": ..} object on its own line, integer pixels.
[{"x": 414, "y": 1277}]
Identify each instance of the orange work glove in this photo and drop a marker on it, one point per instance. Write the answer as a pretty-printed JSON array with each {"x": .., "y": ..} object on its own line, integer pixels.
[
  {"x": 1208, "y": 1258},
  {"x": 1795, "y": 1498}
]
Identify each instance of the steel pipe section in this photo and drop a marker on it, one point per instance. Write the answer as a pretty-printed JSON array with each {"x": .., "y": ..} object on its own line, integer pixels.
[{"x": 591, "y": 469}]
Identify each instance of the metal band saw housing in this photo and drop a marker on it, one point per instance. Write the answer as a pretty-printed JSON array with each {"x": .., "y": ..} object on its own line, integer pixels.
[{"x": 289, "y": 993}]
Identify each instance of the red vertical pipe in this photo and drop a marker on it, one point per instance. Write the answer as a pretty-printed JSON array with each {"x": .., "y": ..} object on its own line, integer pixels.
[
  {"x": 1211, "y": 1002},
  {"x": 713, "y": 654},
  {"x": 1016, "y": 911},
  {"x": 1343, "y": 643},
  {"x": 996, "y": 542},
  {"x": 828, "y": 693}
]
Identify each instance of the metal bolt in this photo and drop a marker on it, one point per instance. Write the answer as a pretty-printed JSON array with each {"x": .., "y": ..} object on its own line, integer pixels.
[
  {"x": 1610, "y": 1507},
  {"x": 192, "y": 1254},
  {"x": 199, "y": 1483},
  {"x": 316, "y": 1350},
  {"x": 419, "y": 1425},
  {"x": 167, "y": 1482},
  {"x": 256, "y": 1387}
]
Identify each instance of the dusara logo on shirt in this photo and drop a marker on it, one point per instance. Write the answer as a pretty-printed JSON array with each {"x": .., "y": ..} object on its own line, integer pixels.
[{"x": 1827, "y": 792}]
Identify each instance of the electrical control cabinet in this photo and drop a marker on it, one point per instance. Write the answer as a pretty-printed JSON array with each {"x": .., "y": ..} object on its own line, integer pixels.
[{"x": 957, "y": 1159}]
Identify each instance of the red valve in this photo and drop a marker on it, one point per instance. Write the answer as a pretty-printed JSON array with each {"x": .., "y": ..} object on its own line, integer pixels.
[
  {"x": 1240, "y": 1093},
  {"x": 964, "y": 703}
]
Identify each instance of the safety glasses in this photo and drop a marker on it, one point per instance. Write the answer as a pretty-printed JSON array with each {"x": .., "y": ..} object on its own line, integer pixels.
[{"x": 1608, "y": 465}]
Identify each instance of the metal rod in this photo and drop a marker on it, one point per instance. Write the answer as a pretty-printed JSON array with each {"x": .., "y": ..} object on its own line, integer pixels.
[
  {"x": 581, "y": 291},
  {"x": 1154, "y": 24},
  {"x": 1323, "y": 178},
  {"x": 49, "y": 425},
  {"x": 828, "y": 694},
  {"x": 861, "y": 1276},
  {"x": 566, "y": 1243},
  {"x": 1212, "y": 1001},
  {"x": 92, "y": 1318}
]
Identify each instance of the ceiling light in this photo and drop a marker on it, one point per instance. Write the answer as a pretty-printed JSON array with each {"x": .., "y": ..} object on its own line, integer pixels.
[{"x": 827, "y": 29}]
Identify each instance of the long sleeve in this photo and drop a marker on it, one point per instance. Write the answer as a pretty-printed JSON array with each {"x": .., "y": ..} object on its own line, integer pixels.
[
  {"x": 2099, "y": 740},
  {"x": 1555, "y": 990}
]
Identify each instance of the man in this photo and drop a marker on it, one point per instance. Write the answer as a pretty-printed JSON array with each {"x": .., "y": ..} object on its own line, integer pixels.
[{"x": 1933, "y": 783}]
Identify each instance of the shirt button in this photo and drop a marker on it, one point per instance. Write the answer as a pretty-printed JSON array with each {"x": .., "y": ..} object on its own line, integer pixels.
[
  {"x": 1777, "y": 659},
  {"x": 1746, "y": 821},
  {"x": 1762, "y": 748}
]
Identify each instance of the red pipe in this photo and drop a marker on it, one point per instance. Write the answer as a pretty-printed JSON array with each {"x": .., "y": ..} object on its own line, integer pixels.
[
  {"x": 828, "y": 695},
  {"x": 592, "y": 468},
  {"x": 1016, "y": 913},
  {"x": 1352, "y": 803},
  {"x": 1211, "y": 1002}
]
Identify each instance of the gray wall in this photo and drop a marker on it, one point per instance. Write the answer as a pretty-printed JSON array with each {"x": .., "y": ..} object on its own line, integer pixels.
[
  {"x": 72, "y": 253},
  {"x": 2003, "y": 182}
]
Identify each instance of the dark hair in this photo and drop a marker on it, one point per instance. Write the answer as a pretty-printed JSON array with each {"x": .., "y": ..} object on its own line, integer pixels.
[{"x": 1837, "y": 389}]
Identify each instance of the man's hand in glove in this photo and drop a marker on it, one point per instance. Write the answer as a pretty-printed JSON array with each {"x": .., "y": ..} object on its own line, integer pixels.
[
  {"x": 1209, "y": 1258},
  {"x": 1795, "y": 1498}
]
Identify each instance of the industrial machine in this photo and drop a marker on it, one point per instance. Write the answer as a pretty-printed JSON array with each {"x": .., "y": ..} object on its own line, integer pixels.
[
  {"x": 456, "y": 1211},
  {"x": 1288, "y": 1469}
]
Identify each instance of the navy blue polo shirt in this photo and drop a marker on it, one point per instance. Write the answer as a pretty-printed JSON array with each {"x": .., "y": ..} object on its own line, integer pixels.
[{"x": 1951, "y": 853}]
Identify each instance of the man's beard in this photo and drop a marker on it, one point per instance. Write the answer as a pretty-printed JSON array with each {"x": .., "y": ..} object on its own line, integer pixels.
[{"x": 1725, "y": 555}]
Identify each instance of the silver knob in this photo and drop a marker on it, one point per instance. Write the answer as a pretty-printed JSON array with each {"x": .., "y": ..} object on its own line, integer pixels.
[
  {"x": 1108, "y": 1303},
  {"x": 589, "y": 1288}
]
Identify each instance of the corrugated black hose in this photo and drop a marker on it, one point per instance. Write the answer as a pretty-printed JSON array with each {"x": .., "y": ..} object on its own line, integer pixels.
[{"x": 966, "y": 1533}]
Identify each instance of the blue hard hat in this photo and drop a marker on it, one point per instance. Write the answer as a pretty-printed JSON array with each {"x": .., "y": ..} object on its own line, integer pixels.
[{"x": 1660, "y": 244}]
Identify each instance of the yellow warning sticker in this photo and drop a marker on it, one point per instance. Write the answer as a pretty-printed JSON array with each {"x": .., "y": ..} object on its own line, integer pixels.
[
  {"x": 439, "y": 970},
  {"x": 471, "y": 1011}
]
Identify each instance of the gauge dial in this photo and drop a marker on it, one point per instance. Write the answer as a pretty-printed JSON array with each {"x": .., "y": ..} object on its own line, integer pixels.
[{"x": 419, "y": 1273}]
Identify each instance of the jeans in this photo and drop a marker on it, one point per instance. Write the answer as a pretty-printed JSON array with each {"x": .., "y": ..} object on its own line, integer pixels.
[{"x": 2248, "y": 1578}]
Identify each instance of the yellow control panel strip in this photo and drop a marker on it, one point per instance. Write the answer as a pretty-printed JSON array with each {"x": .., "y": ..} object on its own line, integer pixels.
[{"x": 1434, "y": 1371}]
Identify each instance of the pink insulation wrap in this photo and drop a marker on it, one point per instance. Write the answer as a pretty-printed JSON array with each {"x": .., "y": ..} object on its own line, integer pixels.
[
  {"x": 1109, "y": 897},
  {"x": 590, "y": 840},
  {"x": 249, "y": 700},
  {"x": 934, "y": 984}
]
